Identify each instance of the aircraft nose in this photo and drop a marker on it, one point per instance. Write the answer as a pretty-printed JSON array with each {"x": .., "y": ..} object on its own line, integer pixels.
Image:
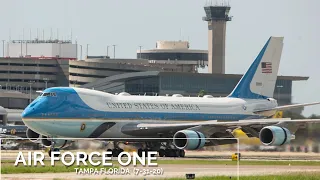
[
  {"x": 27, "y": 113},
  {"x": 29, "y": 110}
]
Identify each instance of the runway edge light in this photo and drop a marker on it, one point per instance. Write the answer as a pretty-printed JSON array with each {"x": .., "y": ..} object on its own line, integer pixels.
[{"x": 190, "y": 176}]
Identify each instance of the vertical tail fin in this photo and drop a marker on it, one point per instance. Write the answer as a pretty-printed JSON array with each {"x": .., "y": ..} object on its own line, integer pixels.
[{"x": 260, "y": 79}]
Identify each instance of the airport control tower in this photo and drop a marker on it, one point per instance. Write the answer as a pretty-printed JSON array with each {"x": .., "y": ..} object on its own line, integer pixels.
[{"x": 217, "y": 17}]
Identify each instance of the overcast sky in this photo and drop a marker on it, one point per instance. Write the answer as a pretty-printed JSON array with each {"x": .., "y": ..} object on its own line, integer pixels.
[{"x": 130, "y": 23}]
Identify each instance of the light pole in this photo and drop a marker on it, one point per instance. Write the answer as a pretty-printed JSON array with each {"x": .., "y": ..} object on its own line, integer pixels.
[
  {"x": 114, "y": 51},
  {"x": 107, "y": 51},
  {"x": 80, "y": 52},
  {"x": 46, "y": 81},
  {"x": 30, "y": 83},
  {"x": 140, "y": 52},
  {"x": 87, "y": 50},
  {"x": 3, "y": 48},
  {"x": 59, "y": 49},
  {"x": 76, "y": 47}
]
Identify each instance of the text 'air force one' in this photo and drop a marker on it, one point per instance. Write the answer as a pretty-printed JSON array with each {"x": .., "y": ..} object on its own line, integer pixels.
[{"x": 186, "y": 122}]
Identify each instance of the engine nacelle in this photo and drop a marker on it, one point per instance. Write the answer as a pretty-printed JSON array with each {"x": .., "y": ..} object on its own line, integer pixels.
[
  {"x": 45, "y": 141},
  {"x": 32, "y": 136},
  {"x": 189, "y": 140},
  {"x": 275, "y": 136},
  {"x": 59, "y": 143}
]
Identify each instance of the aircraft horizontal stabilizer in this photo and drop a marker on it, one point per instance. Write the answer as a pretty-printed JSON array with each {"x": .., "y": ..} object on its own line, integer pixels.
[{"x": 286, "y": 107}]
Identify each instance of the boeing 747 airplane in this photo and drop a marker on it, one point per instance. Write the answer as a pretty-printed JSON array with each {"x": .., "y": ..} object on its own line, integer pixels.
[{"x": 186, "y": 122}]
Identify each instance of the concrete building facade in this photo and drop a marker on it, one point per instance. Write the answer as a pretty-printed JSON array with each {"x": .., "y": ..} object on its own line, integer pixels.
[
  {"x": 41, "y": 49},
  {"x": 170, "y": 52}
]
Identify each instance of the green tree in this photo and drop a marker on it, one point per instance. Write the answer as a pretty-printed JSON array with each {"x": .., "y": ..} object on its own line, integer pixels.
[
  {"x": 202, "y": 93},
  {"x": 314, "y": 116}
]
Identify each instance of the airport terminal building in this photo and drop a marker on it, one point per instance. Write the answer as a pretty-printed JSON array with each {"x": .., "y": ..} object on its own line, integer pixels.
[{"x": 170, "y": 68}]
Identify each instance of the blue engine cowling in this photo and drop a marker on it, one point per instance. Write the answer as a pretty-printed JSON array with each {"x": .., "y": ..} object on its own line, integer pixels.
[
  {"x": 274, "y": 136},
  {"x": 189, "y": 140},
  {"x": 59, "y": 143}
]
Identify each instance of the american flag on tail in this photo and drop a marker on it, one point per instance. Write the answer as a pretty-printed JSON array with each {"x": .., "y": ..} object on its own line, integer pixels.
[{"x": 266, "y": 67}]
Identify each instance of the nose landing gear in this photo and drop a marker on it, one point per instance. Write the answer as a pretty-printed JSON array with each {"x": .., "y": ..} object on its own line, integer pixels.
[{"x": 53, "y": 149}]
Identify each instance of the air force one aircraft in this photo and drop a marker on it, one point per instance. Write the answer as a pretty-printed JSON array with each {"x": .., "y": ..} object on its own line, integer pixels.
[{"x": 186, "y": 122}]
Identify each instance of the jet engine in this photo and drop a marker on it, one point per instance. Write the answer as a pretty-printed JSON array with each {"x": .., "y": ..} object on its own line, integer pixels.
[
  {"x": 189, "y": 140},
  {"x": 275, "y": 136},
  {"x": 32, "y": 136},
  {"x": 59, "y": 143}
]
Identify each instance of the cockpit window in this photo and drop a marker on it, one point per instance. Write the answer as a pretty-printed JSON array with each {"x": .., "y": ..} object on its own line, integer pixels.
[{"x": 49, "y": 94}]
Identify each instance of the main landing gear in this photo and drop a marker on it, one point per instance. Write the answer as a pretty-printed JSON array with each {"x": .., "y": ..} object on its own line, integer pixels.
[
  {"x": 169, "y": 150},
  {"x": 116, "y": 151},
  {"x": 171, "y": 153}
]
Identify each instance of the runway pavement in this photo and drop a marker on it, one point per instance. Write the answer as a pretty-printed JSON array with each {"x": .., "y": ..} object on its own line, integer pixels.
[
  {"x": 179, "y": 170},
  {"x": 213, "y": 155},
  {"x": 175, "y": 171}
]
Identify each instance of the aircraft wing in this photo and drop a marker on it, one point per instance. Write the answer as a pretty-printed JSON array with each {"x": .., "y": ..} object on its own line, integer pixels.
[
  {"x": 279, "y": 108},
  {"x": 251, "y": 127}
]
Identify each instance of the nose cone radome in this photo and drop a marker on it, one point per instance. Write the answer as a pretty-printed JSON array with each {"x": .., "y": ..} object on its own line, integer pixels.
[
  {"x": 30, "y": 110},
  {"x": 27, "y": 113}
]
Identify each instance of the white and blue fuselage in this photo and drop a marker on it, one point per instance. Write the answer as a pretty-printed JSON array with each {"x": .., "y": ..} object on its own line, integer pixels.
[{"x": 67, "y": 109}]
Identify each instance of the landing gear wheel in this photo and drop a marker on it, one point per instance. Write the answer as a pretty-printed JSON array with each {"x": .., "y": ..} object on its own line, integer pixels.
[
  {"x": 182, "y": 153},
  {"x": 172, "y": 153},
  {"x": 140, "y": 152},
  {"x": 116, "y": 152},
  {"x": 169, "y": 153},
  {"x": 109, "y": 150},
  {"x": 82, "y": 157},
  {"x": 149, "y": 150},
  {"x": 176, "y": 153},
  {"x": 145, "y": 152},
  {"x": 161, "y": 152},
  {"x": 54, "y": 150}
]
